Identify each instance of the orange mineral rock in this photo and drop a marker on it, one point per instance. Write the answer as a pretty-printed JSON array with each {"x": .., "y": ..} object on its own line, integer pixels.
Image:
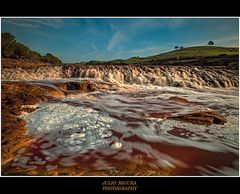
[{"x": 201, "y": 118}]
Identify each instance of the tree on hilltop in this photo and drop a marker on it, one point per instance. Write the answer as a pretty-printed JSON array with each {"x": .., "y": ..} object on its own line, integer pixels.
[{"x": 210, "y": 43}]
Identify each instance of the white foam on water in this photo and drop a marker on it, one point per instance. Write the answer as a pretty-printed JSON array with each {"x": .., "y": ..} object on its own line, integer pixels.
[{"x": 75, "y": 129}]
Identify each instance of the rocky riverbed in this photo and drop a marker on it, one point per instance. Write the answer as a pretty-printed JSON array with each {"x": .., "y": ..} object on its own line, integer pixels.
[{"x": 94, "y": 127}]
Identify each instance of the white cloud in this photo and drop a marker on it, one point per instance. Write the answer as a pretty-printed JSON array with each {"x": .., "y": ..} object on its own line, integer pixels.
[
  {"x": 124, "y": 30},
  {"x": 19, "y": 23},
  {"x": 35, "y": 22},
  {"x": 117, "y": 38},
  {"x": 94, "y": 47},
  {"x": 95, "y": 50}
]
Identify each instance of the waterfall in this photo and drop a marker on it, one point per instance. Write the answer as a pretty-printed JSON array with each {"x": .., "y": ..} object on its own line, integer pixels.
[{"x": 184, "y": 76}]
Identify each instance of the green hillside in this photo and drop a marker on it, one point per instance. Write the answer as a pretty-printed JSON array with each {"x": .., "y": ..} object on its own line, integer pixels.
[
  {"x": 12, "y": 49},
  {"x": 186, "y": 53}
]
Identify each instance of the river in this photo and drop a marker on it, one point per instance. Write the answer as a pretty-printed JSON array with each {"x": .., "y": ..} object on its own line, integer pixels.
[{"x": 115, "y": 132}]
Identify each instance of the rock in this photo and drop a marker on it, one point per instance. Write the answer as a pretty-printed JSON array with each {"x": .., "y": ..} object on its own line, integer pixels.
[
  {"x": 53, "y": 92},
  {"x": 201, "y": 118},
  {"x": 179, "y": 99},
  {"x": 77, "y": 87},
  {"x": 184, "y": 75},
  {"x": 159, "y": 115},
  {"x": 16, "y": 98}
]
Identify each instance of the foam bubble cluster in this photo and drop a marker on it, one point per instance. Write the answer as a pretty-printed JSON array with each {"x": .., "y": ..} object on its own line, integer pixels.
[{"x": 75, "y": 129}]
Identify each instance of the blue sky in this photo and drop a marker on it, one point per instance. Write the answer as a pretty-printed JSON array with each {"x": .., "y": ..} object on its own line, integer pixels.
[{"x": 84, "y": 39}]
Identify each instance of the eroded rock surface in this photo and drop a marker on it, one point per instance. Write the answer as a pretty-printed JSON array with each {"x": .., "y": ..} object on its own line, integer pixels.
[{"x": 201, "y": 118}]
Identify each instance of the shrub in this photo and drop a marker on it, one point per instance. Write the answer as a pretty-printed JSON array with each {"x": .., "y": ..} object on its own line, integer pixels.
[
  {"x": 49, "y": 58},
  {"x": 21, "y": 50}
]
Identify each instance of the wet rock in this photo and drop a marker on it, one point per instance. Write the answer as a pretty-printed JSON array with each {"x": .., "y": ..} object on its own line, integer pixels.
[
  {"x": 16, "y": 99},
  {"x": 159, "y": 115},
  {"x": 82, "y": 86},
  {"x": 179, "y": 99},
  {"x": 201, "y": 118},
  {"x": 52, "y": 92}
]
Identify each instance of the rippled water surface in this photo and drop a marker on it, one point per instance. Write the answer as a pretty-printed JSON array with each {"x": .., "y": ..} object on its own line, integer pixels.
[{"x": 103, "y": 130}]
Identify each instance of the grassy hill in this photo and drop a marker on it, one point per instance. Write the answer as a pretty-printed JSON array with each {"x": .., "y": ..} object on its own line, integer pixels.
[
  {"x": 177, "y": 56},
  {"x": 12, "y": 49},
  {"x": 187, "y": 53}
]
